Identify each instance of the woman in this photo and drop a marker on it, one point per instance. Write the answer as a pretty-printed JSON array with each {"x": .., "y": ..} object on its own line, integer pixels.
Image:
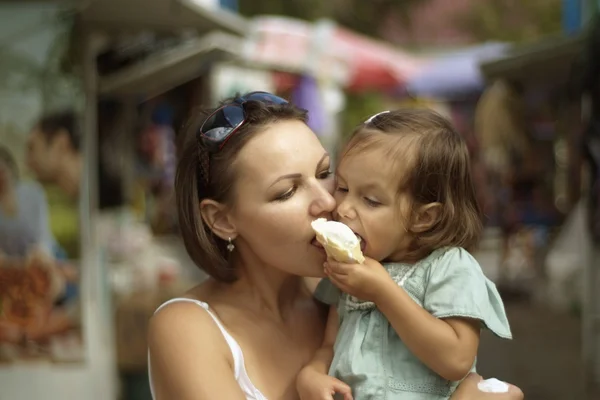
[{"x": 249, "y": 183}]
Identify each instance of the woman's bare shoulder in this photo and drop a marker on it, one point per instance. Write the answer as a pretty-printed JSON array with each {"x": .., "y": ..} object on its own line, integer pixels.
[
  {"x": 179, "y": 322},
  {"x": 188, "y": 352},
  {"x": 188, "y": 314}
]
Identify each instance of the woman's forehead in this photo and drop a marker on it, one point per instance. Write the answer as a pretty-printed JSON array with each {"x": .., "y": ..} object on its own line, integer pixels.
[{"x": 284, "y": 147}]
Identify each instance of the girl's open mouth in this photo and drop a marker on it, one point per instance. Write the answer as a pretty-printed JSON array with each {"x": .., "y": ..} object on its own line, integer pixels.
[{"x": 363, "y": 244}]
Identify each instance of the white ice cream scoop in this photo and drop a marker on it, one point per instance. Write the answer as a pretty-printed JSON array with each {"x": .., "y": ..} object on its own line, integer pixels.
[
  {"x": 492, "y": 385},
  {"x": 339, "y": 241}
]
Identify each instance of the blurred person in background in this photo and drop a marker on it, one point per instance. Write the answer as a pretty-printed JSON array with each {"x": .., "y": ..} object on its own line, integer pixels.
[
  {"x": 251, "y": 179},
  {"x": 24, "y": 231},
  {"x": 503, "y": 131},
  {"x": 54, "y": 158},
  {"x": 53, "y": 151}
]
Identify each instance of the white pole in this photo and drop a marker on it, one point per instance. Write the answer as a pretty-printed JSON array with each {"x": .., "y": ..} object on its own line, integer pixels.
[{"x": 95, "y": 290}]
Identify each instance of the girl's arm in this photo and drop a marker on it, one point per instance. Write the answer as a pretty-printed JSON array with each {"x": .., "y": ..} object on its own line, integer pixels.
[{"x": 447, "y": 346}]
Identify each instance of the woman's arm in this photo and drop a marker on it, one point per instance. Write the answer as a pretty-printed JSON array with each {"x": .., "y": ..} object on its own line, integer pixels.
[
  {"x": 189, "y": 358},
  {"x": 323, "y": 357},
  {"x": 468, "y": 390},
  {"x": 448, "y": 346},
  {"x": 312, "y": 381}
]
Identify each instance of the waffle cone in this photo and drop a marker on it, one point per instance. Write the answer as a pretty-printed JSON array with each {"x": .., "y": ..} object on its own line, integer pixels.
[{"x": 340, "y": 254}]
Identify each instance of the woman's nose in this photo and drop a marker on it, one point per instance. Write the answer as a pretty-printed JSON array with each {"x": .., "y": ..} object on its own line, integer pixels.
[{"x": 324, "y": 203}]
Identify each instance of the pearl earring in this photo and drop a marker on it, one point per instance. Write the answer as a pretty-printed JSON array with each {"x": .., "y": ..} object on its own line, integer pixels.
[{"x": 230, "y": 246}]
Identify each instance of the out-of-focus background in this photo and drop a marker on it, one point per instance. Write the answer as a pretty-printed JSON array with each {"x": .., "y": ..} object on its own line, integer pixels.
[{"x": 92, "y": 95}]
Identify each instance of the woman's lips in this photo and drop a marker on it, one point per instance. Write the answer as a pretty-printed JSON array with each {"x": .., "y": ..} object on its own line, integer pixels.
[{"x": 318, "y": 246}]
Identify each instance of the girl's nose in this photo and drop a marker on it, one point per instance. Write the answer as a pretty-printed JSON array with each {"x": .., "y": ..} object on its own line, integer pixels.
[{"x": 345, "y": 209}]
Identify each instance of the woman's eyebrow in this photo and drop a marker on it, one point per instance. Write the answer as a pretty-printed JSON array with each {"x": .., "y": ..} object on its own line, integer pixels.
[
  {"x": 297, "y": 176},
  {"x": 288, "y": 176},
  {"x": 320, "y": 163}
]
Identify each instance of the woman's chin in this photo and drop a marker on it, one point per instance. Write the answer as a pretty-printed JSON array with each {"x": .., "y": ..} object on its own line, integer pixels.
[
  {"x": 315, "y": 271},
  {"x": 319, "y": 274}
]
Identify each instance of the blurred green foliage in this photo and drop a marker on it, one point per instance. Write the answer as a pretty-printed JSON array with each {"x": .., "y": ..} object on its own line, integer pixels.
[
  {"x": 499, "y": 20},
  {"x": 515, "y": 21},
  {"x": 359, "y": 107}
]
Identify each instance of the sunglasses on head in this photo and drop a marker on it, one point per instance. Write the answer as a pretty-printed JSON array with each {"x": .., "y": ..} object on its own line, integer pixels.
[{"x": 226, "y": 120}]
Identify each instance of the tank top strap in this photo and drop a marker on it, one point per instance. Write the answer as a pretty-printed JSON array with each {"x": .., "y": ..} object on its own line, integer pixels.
[
  {"x": 236, "y": 350},
  {"x": 241, "y": 376}
]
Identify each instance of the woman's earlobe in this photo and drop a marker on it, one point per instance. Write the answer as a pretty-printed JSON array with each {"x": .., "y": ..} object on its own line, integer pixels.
[
  {"x": 427, "y": 216},
  {"x": 215, "y": 216}
]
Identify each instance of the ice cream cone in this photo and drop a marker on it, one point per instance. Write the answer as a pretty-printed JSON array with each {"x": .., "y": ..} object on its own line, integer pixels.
[{"x": 338, "y": 240}]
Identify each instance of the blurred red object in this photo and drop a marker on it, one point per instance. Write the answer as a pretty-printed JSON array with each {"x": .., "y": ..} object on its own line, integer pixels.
[
  {"x": 357, "y": 62},
  {"x": 285, "y": 81},
  {"x": 374, "y": 64}
]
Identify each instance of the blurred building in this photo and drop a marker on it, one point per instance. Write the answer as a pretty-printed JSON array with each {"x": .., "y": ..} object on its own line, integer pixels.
[
  {"x": 105, "y": 61},
  {"x": 564, "y": 72}
]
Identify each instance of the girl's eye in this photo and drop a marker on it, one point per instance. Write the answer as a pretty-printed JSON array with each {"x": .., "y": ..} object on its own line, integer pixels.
[
  {"x": 341, "y": 189},
  {"x": 287, "y": 194},
  {"x": 324, "y": 174},
  {"x": 371, "y": 202}
]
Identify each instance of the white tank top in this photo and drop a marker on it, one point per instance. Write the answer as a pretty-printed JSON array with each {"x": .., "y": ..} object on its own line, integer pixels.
[{"x": 241, "y": 376}]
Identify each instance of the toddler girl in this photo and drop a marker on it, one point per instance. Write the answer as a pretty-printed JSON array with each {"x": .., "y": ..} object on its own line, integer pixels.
[{"x": 405, "y": 324}]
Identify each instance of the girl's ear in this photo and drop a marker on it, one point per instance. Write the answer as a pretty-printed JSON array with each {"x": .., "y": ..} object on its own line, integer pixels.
[{"x": 426, "y": 217}]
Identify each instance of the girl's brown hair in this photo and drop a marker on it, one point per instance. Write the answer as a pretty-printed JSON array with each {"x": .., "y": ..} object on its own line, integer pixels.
[
  {"x": 440, "y": 171},
  {"x": 201, "y": 175}
]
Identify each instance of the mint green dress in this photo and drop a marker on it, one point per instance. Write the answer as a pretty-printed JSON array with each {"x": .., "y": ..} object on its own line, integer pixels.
[{"x": 371, "y": 357}]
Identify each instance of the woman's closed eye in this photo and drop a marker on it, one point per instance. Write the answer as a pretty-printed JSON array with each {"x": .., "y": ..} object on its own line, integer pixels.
[
  {"x": 287, "y": 194},
  {"x": 324, "y": 174},
  {"x": 291, "y": 191},
  {"x": 341, "y": 189}
]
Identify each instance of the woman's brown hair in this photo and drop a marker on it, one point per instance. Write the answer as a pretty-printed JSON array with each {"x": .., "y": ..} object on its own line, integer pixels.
[
  {"x": 438, "y": 161},
  {"x": 202, "y": 175}
]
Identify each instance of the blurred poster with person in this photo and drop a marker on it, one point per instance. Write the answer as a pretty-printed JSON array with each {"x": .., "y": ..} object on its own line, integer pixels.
[
  {"x": 155, "y": 167},
  {"x": 40, "y": 168}
]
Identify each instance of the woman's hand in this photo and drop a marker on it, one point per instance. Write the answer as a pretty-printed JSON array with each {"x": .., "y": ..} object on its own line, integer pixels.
[
  {"x": 364, "y": 281},
  {"x": 468, "y": 390},
  {"x": 312, "y": 385}
]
